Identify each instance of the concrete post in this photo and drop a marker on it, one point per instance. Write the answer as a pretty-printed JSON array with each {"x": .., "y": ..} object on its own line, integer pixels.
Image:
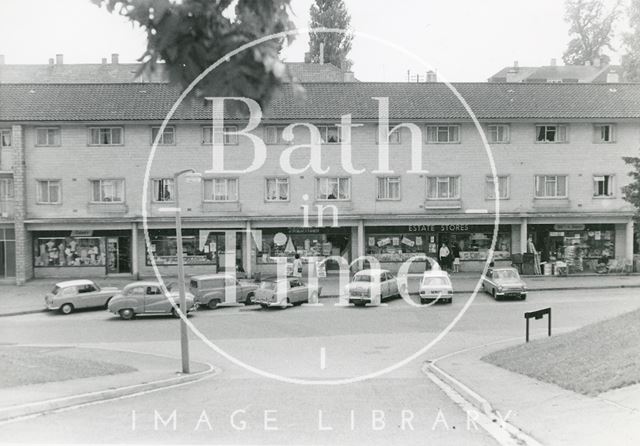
[
  {"x": 23, "y": 245},
  {"x": 628, "y": 252},
  {"x": 361, "y": 241},
  {"x": 248, "y": 267},
  {"x": 134, "y": 251},
  {"x": 524, "y": 236}
]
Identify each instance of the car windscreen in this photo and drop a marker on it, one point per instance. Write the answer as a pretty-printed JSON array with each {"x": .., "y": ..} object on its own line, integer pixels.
[
  {"x": 193, "y": 284},
  {"x": 435, "y": 281},
  {"x": 56, "y": 289},
  {"x": 362, "y": 278}
]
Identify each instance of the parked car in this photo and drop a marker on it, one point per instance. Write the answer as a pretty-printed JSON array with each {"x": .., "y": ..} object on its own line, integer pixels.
[
  {"x": 274, "y": 292},
  {"x": 504, "y": 282},
  {"x": 147, "y": 298},
  {"x": 76, "y": 294},
  {"x": 372, "y": 286},
  {"x": 210, "y": 289},
  {"x": 435, "y": 286}
]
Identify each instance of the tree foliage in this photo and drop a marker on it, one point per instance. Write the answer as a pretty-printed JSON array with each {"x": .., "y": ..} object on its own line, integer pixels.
[
  {"x": 631, "y": 191},
  {"x": 331, "y": 14},
  {"x": 591, "y": 28},
  {"x": 631, "y": 58},
  {"x": 191, "y": 35}
]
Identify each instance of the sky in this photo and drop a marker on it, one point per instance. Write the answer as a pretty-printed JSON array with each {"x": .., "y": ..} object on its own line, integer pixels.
[{"x": 463, "y": 40}]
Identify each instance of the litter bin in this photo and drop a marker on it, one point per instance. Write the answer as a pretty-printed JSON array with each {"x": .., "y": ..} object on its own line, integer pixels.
[{"x": 528, "y": 260}]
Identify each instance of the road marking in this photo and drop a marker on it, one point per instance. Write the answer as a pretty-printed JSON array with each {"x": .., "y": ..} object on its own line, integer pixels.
[{"x": 323, "y": 358}]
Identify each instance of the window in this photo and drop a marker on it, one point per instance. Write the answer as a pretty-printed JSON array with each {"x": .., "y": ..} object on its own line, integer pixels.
[
  {"x": 221, "y": 189},
  {"x": 199, "y": 247},
  {"x": 604, "y": 133},
  {"x": 277, "y": 189},
  {"x": 207, "y": 135},
  {"x": 162, "y": 190},
  {"x": 443, "y": 134},
  {"x": 273, "y": 135},
  {"x": 394, "y": 137},
  {"x": 48, "y": 136},
  {"x": 330, "y": 134},
  {"x": 6, "y": 188},
  {"x": 443, "y": 188},
  {"x": 551, "y": 133},
  {"x": 389, "y": 188},
  {"x": 168, "y": 137},
  {"x": 498, "y": 133},
  {"x": 69, "y": 251},
  {"x": 107, "y": 191},
  {"x": 105, "y": 136},
  {"x": 333, "y": 188},
  {"x": 551, "y": 186},
  {"x": 49, "y": 191},
  {"x": 603, "y": 186},
  {"x": 5, "y": 138},
  {"x": 503, "y": 186}
]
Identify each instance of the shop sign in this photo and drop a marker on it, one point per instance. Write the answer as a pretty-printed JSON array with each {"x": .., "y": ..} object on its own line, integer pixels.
[
  {"x": 82, "y": 233},
  {"x": 568, "y": 227},
  {"x": 556, "y": 234},
  {"x": 438, "y": 228}
]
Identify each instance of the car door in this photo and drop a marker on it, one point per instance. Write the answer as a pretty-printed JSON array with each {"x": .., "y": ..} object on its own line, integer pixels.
[
  {"x": 232, "y": 292},
  {"x": 155, "y": 301},
  {"x": 383, "y": 285},
  {"x": 488, "y": 282},
  {"x": 297, "y": 291},
  {"x": 393, "y": 284},
  {"x": 90, "y": 296}
]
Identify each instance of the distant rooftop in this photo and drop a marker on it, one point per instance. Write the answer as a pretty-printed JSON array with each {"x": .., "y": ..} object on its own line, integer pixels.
[
  {"x": 57, "y": 72},
  {"x": 590, "y": 73}
]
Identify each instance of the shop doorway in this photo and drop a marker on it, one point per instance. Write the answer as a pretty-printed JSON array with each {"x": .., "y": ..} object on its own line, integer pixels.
[{"x": 118, "y": 255}]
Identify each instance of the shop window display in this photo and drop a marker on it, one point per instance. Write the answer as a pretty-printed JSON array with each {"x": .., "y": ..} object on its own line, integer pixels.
[
  {"x": 476, "y": 246},
  {"x": 286, "y": 243},
  {"x": 199, "y": 247},
  {"x": 69, "y": 251},
  {"x": 394, "y": 247}
]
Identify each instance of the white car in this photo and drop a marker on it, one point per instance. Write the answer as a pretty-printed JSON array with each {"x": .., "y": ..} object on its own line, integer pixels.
[
  {"x": 372, "y": 286},
  {"x": 435, "y": 286}
]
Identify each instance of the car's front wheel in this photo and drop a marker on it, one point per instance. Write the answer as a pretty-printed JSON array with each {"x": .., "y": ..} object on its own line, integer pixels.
[
  {"x": 126, "y": 314},
  {"x": 66, "y": 309},
  {"x": 213, "y": 304}
]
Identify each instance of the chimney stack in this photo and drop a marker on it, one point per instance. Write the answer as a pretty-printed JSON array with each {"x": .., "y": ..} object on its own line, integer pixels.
[
  {"x": 1, "y": 59},
  {"x": 104, "y": 61},
  {"x": 554, "y": 62},
  {"x": 51, "y": 61},
  {"x": 59, "y": 59},
  {"x": 307, "y": 57},
  {"x": 432, "y": 76},
  {"x": 515, "y": 65},
  {"x": 349, "y": 76},
  {"x": 114, "y": 58},
  {"x": 321, "y": 53}
]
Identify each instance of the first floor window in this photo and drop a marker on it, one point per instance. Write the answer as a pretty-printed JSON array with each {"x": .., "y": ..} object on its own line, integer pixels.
[
  {"x": 277, "y": 189},
  {"x": 105, "y": 136},
  {"x": 604, "y": 133},
  {"x": 330, "y": 134},
  {"x": 443, "y": 133},
  {"x": 49, "y": 191},
  {"x": 443, "y": 188},
  {"x": 394, "y": 137},
  {"x": 5, "y": 138},
  {"x": 603, "y": 186},
  {"x": 107, "y": 191},
  {"x": 163, "y": 189},
  {"x": 389, "y": 188},
  {"x": 551, "y": 133},
  {"x": 48, "y": 136},
  {"x": 273, "y": 135},
  {"x": 168, "y": 137},
  {"x": 498, "y": 133},
  {"x": 221, "y": 189},
  {"x": 6, "y": 188},
  {"x": 333, "y": 188},
  {"x": 503, "y": 187},
  {"x": 227, "y": 139},
  {"x": 551, "y": 186}
]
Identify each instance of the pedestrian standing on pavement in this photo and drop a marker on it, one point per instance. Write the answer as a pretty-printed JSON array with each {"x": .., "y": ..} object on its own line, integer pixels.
[
  {"x": 297, "y": 266},
  {"x": 455, "y": 252},
  {"x": 443, "y": 256}
]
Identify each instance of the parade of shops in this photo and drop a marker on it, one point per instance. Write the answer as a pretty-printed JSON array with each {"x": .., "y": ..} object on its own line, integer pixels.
[{"x": 72, "y": 203}]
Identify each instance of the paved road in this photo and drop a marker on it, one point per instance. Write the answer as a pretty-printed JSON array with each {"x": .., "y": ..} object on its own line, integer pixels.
[{"x": 311, "y": 343}]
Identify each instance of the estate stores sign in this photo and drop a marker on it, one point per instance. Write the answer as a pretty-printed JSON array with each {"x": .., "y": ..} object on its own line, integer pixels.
[{"x": 438, "y": 228}]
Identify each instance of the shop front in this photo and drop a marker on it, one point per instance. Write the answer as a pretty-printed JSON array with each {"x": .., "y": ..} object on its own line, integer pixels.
[
  {"x": 7, "y": 252},
  {"x": 81, "y": 253},
  {"x": 580, "y": 246},
  {"x": 313, "y": 244},
  {"x": 393, "y": 245}
]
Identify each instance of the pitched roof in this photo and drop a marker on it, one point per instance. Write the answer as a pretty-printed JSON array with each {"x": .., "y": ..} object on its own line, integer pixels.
[
  {"x": 127, "y": 73},
  {"x": 571, "y": 73},
  {"x": 407, "y": 101}
]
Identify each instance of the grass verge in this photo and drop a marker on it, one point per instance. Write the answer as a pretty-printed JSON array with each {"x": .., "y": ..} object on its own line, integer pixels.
[{"x": 591, "y": 360}]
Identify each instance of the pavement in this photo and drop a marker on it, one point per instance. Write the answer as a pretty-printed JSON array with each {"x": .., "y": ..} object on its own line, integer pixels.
[
  {"x": 546, "y": 413},
  {"x": 29, "y": 298},
  {"x": 145, "y": 373}
]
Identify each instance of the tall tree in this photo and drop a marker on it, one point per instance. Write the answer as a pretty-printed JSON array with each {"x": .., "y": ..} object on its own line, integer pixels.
[
  {"x": 331, "y": 14},
  {"x": 591, "y": 26},
  {"x": 631, "y": 58},
  {"x": 189, "y": 36}
]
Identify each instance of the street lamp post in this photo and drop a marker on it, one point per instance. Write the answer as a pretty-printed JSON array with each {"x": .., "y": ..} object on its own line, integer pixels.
[{"x": 184, "y": 336}]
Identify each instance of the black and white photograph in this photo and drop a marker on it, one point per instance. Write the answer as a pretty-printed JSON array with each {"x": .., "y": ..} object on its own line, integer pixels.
[{"x": 320, "y": 222}]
